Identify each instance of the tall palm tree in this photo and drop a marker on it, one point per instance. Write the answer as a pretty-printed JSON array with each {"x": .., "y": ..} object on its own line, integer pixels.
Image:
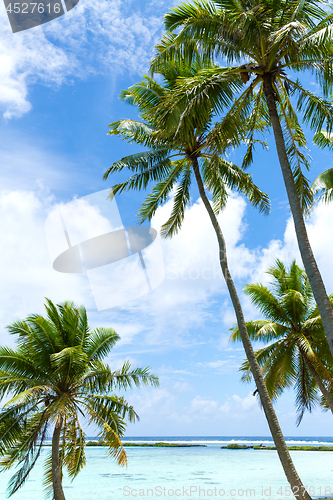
[
  {"x": 298, "y": 353},
  {"x": 173, "y": 157},
  {"x": 265, "y": 40},
  {"x": 55, "y": 376}
]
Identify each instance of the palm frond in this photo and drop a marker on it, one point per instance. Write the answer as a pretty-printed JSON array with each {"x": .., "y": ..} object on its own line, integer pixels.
[
  {"x": 218, "y": 172},
  {"x": 70, "y": 362},
  {"x": 126, "y": 377},
  {"x": 74, "y": 444},
  {"x": 191, "y": 103},
  {"x": 295, "y": 140},
  {"x": 261, "y": 329},
  {"x": 258, "y": 120},
  {"x": 294, "y": 332},
  {"x": 100, "y": 343},
  {"x": 138, "y": 132},
  {"x": 180, "y": 201},
  {"x": 237, "y": 126},
  {"x": 323, "y": 186},
  {"x": 16, "y": 363},
  {"x": 30, "y": 458},
  {"x": 315, "y": 110},
  {"x": 306, "y": 391},
  {"x": 265, "y": 301},
  {"x": 147, "y": 161},
  {"x": 48, "y": 476},
  {"x": 161, "y": 191},
  {"x": 105, "y": 413}
]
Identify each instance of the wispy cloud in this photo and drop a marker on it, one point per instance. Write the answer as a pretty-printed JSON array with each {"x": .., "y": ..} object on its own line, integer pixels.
[
  {"x": 220, "y": 365},
  {"x": 95, "y": 36},
  {"x": 186, "y": 307},
  {"x": 25, "y": 268}
]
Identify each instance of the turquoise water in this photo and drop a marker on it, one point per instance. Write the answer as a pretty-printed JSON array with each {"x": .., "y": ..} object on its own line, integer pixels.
[{"x": 195, "y": 473}]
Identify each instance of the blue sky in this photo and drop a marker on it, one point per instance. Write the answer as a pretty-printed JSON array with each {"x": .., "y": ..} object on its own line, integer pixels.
[{"x": 59, "y": 87}]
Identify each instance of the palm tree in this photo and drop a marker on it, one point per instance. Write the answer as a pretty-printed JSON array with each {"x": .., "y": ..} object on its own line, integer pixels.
[
  {"x": 190, "y": 148},
  {"x": 266, "y": 40},
  {"x": 55, "y": 376},
  {"x": 298, "y": 353}
]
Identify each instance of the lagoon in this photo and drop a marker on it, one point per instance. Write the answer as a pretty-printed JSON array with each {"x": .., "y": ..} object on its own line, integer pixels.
[{"x": 195, "y": 472}]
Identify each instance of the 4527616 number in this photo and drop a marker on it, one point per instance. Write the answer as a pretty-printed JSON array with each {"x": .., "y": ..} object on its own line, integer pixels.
[{"x": 29, "y": 8}]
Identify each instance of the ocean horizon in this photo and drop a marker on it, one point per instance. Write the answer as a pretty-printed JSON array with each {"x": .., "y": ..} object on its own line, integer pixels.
[
  {"x": 290, "y": 440},
  {"x": 190, "y": 472}
]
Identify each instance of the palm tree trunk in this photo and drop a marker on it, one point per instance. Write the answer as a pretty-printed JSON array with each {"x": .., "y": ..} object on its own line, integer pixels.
[
  {"x": 56, "y": 470},
  {"x": 295, "y": 482},
  {"x": 309, "y": 262}
]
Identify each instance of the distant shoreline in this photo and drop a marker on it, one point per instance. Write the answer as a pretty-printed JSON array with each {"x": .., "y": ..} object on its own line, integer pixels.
[
  {"x": 232, "y": 446},
  {"x": 154, "y": 445},
  {"x": 235, "y": 446}
]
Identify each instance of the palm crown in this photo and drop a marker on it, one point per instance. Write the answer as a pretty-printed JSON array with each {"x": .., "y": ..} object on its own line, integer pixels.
[
  {"x": 56, "y": 376},
  {"x": 267, "y": 39},
  {"x": 173, "y": 153},
  {"x": 298, "y": 353}
]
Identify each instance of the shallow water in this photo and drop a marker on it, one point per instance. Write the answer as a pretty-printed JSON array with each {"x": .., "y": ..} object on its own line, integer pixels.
[{"x": 195, "y": 473}]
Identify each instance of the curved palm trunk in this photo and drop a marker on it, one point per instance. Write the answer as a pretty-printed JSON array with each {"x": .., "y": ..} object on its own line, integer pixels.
[
  {"x": 56, "y": 470},
  {"x": 295, "y": 482},
  {"x": 309, "y": 262}
]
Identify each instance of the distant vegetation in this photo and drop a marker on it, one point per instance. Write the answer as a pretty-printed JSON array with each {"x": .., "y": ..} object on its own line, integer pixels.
[
  {"x": 298, "y": 448},
  {"x": 155, "y": 445},
  {"x": 236, "y": 446}
]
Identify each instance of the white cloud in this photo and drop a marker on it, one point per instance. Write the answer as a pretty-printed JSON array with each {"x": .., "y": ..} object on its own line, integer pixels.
[
  {"x": 286, "y": 249},
  {"x": 127, "y": 331},
  {"x": 26, "y": 271},
  {"x": 117, "y": 363},
  {"x": 194, "y": 281},
  {"x": 184, "y": 301},
  {"x": 170, "y": 370},
  {"x": 30, "y": 164},
  {"x": 204, "y": 407},
  {"x": 95, "y": 36},
  {"x": 152, "y": 404},
  {"x": 321, "y": 240},
  {"x": 220, "y": 365},
  {"x": 182, "y": 387},
  {"x": 194, "y": 294},
  {"x": 169, "y": 412},
  {"x": 28, "y": 277},
  {"x": 248, "y": 403},
  {"x": 233, "y": 407},
  {"x": 27, "y": 57},
  {"x": 170, "y": 316}
]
